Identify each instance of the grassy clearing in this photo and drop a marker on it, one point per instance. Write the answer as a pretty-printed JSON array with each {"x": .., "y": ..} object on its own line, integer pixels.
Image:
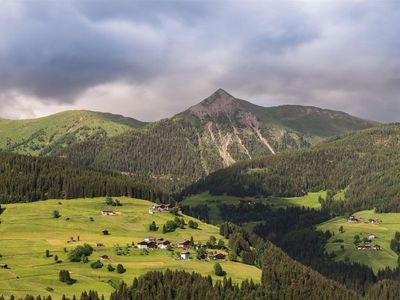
[
  {"x": 27, "y": 230},
  {"x": 384, "y": 232},
  {"x": 310, "y": 200}
]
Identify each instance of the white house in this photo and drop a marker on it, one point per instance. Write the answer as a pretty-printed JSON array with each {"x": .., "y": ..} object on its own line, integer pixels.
[
  {"x": 142, "y": 245},
  {"x": 185, "y": 255}
]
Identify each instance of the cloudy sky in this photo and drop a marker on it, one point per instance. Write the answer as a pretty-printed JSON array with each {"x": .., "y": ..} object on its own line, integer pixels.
[{"x": 151, "y": 59}]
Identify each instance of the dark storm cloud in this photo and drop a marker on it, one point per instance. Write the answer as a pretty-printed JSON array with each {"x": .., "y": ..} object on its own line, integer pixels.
[{"x": 150, "y": 59}]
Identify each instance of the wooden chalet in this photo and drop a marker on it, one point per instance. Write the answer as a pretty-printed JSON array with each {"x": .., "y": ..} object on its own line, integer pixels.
[
  {"x": 104, "y": 258},
  {"x": 184, "y": 244},
  {"x": 217, "y": 256}
]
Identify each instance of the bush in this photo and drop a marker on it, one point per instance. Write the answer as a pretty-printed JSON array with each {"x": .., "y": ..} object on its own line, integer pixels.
[
  {"x": 218, "y": 270},
  {"x": 96, "y": 265},
  {"x": 232, "y": 256},
  {"x": 192, "y": 224},
  {"x": 110, "y": 268},
  {"x": 153, "y": 226},
  {"x": 64, "y": 276},
  {"x": 80, "y": 251},
  {"x": 56, "y": 214},
  {"x": 111, "y": 202},
  {"x": 120, "y": 269}
]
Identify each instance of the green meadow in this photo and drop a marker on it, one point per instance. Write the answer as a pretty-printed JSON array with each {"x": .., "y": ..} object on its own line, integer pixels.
[
  {"x": 384, "y": 232},
  {"x": 309, "y": 200},
  {"x": 28, "y": 230}
]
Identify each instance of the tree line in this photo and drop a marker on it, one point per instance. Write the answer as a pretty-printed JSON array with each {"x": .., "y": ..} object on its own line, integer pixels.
[{"x": 26, "y": 178}]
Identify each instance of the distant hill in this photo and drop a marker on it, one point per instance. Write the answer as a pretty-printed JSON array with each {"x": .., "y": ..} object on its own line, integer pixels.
[
  {"x": 215, "y": 133},
  {"x": 41, "y": 136},
  {"x": 365, "y": 164}
]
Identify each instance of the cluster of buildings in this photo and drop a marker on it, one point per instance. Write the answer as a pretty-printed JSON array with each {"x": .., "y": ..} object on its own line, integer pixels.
[
  {"x": 160, "y": 243},
  {"x": 159, "y": 208},
  {"x": 368, "y": 244},
  {"x": 153, "y": 243},
  {"x": 353, "y": 219}
]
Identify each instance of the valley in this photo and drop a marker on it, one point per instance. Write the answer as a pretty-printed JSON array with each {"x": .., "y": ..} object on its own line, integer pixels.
[{"x": 28, "y": 230}]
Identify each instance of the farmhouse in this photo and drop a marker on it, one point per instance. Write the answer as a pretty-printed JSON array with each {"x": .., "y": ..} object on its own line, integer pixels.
[
  {"x": 183, "y": 244},
  {"x": 352, "y": 219},
  {"x": 106, "y": 232},
  {"x": 163, "y": 244},
  {"x": 185, "y": 255},
  {"x": 376, "y": 247},
  {"x": 368, "y": 246},
  {"x": 99, "y": 244},
  {"x": 104, "y": 258},
  {"x": 142, "y": 245},
  {"x": 149, "y": 239},
  {"x": 147, "y": 245},
  {"x": 159, "y": 208},
  {"x": 217, "y": 256},
  {"x": 108, "y": 213}
]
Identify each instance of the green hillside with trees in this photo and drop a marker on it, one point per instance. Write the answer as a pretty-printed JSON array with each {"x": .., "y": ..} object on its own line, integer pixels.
[
  {"x": 365, "y": 164},
  {"x": 213, "y": 134},
  {"x": 43, "y": 135}
]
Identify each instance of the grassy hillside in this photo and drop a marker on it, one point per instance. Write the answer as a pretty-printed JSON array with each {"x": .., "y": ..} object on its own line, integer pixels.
[
  {"x": 384, "y": 232},
  {"x": 27, "y": 230},
  {"x": 309, "y": 200},
  {"x": 312, "y": 121},
  {"x": 42, "y": 135}
]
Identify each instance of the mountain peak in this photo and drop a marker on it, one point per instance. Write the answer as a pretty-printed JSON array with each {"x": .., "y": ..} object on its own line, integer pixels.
[{"x": 219, "y": 102}]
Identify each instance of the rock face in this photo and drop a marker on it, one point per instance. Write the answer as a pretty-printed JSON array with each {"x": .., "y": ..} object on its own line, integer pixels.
[
  {"x": 230, "y": 127},
  {"x": 219, "y": 102}
]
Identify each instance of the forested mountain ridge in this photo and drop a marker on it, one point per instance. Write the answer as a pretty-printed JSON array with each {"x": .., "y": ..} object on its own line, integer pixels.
[
  {"x": 43, "y": 135},
  {"x": 26, "y": 179},
  {"x": 211, "y": 135},
  {"x": 366, "y": 164}
]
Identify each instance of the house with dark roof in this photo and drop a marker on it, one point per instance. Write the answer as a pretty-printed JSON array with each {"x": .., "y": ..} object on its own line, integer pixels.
[
  {"x": 185, "y": 255},
  {"x": 104, "y": 258},
  {"x": 142, "y": 245},
  {"x": 217, "y": 256},
  {"x": 184, "y": 244}
]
